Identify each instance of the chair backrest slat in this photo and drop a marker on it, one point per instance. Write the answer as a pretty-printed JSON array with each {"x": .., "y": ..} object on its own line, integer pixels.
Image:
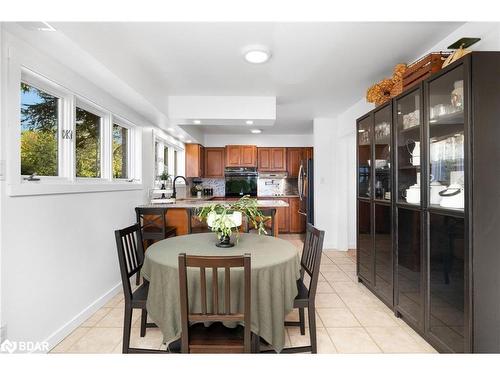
[
  {"x": 311, "y": 257},
  {"x": 215, "y": 291},
  {"x": 215, "y": 263},
  {"x": 203, "y": 283},
  {"x": 130, "y": 255},
  {"x": 227, "y": 291}
]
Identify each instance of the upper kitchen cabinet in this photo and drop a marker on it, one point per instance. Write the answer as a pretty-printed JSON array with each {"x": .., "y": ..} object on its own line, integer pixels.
[
  {"x": 214, "y": 162},
  {"x": 195, "y": 156},
  {"x": 272, "y": 159},
  {"x": 241, "y": 156},
  {"x": 293, "y": 157}
]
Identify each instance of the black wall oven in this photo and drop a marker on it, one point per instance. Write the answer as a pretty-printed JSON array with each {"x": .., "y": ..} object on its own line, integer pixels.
[{"x": 241, "y": 181}]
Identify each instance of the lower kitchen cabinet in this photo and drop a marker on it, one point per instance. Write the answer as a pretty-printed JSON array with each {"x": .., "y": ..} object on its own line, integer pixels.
[
  {"x": 284, "y": 217},
  {"x": 297, "y": 221}
]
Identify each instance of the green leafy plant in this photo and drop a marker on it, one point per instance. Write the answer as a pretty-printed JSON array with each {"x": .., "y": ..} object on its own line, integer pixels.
[
  {"x": 222, "y": 223},
  {"x": 164, "y": 176}
]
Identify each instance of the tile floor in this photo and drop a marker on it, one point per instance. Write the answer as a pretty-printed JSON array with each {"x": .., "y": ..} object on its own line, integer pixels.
[{"x": 350, "y": 319}]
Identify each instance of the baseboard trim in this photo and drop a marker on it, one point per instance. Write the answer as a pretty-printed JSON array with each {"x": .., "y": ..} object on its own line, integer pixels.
[{"x": 59, "y": 335}]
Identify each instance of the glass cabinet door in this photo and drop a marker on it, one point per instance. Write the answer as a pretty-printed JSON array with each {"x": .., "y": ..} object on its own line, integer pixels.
[
  {"x": 447, "y": 280},
  {"x": 409, "y": 265},
  {"x": 364, "y": 157},
  {"x": 408, "y": 147},
  {"x": 365, "y": 241},
  {"x": 446, "y": 140},
  {"x": 382, "y": 165},
  {"x": 383, "y": 251}
]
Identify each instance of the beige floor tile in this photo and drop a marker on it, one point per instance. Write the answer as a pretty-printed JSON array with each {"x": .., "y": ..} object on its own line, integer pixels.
[
  {"x": 70, "y": 340},
  {"x": 329, "y": 300},
  {"x": 98, "y": 340},
  {"x": 425, "y": 346},
  {"x": 352, "y": 340},
  {"x": 347, "y": 267},
  {"x": 324, "y": 287},
  {"x": 360, "y": 300},
  {"x": 114, "y": 319},
  {"x": 335, "y": 253},
  {"x": 394, "y": 340},
  {"x": 346, "y": 287},
  {"x": 337, "y": 317},
  {"x": 96, "y": 317},
  {"x": 115, "y": 300},
  {"x": 329, "y": 267},
  {"x": 152, "y": 340},
  {"x": 325, "y": 260},
  {"x": 345, "y": 261},
  {"x": 370, "y": 316},
  {"x": 325, "y": 345},
  {"x": 335, "y": 276}
]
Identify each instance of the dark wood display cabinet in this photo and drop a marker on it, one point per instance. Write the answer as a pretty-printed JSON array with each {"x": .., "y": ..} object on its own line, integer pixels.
[
  {"x": 375, "y": 255},
  {"x": 431, "y": 218}
]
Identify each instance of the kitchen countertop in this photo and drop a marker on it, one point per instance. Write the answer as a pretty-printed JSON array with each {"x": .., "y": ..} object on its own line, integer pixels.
[{"x": 200, "y": 202}]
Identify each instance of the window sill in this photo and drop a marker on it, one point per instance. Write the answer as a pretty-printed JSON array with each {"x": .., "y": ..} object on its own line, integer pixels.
[{"x": 48, "y": 188}]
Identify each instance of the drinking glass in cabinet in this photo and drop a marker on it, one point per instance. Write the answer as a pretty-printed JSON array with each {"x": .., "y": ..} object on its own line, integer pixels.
[
  {"x": 382, "y": 129},
  {"x": 364, "y": 156},
  {"x": 446, "y": 141},
  {"x": 408, "y": 147}
]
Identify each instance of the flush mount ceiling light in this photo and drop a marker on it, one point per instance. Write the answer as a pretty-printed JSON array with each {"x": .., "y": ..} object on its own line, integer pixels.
[
  {"x": 249, "y": 122},
  {"x": 256, "y": 131},
  {"x": 170, "y": 129},
  {"x": 38, "y": 26},
  {"x": 256, "y": 54},
  {"x": 188, "y": 141},
  {"x": 181, "y": 136},
  {"x": 197, "y": 122}
]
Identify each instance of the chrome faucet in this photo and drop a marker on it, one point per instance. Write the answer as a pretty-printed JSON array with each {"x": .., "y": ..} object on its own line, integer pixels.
[{"x": 174, "y": 192}]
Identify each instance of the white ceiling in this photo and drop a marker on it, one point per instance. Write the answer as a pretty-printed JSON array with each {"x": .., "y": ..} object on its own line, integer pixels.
[{"x": 316, "y": 69}]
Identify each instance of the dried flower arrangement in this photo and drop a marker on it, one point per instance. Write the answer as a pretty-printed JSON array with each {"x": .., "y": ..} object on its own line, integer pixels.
[{"x": 384, "y": 90}]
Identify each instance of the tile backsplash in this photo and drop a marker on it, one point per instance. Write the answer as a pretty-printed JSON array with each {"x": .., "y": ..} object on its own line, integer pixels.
[
  {"x": 218, "y": 184},
  {"x": 265, "y": 187}
]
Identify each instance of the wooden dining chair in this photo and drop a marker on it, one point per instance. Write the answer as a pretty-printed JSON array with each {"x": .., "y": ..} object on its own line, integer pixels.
[
  {"x": 153, "y": 226},
  {"x": 131, "y": 257},
  {"x": 216, "y": 338},
  {"x": 309, "y": 265}
]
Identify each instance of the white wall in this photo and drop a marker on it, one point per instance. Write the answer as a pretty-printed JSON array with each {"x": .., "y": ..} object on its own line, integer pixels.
[
  {"x": 260, "y": 140},
  {"x": 335, "y": 176},
  {"x": 335, "y": 150},
  {"x": 58, "y": 255}
]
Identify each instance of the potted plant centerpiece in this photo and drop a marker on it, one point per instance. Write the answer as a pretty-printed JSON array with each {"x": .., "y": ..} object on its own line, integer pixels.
[{"x": 226, "y": 218}]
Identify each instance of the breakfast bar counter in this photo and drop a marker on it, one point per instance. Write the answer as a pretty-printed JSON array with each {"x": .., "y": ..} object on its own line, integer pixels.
[{"x": 179, "y": 214}]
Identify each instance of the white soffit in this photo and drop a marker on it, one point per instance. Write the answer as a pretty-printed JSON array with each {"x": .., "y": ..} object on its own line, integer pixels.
[{"x": 222, "y": 110}]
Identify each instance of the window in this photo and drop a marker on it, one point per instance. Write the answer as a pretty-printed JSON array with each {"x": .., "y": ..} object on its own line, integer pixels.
[
  {"x": 120, "y": 151},
  {"x": 169, "y": 155},
  {"x": 175, "y": 162},
  {"x": 39, "y": 132},
  {"x": 88, "y": 144}
]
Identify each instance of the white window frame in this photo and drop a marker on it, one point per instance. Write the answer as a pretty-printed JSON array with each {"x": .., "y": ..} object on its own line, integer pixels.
[
  {"x": 132, "y": 170},
  {"x": 172, "y": 144},
  {"x": 104, "y": 133},
  {"x": 66, "y": 181},
  {"x": 64, "y": 103}
]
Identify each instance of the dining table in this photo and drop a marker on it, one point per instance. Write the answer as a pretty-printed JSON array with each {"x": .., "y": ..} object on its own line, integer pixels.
[{"x": 275, "y": 269}]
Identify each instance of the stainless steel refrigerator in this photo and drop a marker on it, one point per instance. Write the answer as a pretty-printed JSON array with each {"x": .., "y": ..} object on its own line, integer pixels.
[{"x": 306, "y": 190}]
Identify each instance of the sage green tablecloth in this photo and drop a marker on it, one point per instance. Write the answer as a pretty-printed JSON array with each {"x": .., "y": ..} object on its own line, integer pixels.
[{"x": 275, "y": 269}]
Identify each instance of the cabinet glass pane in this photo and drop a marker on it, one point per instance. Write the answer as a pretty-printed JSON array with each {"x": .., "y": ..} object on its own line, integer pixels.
[
  {"x": 383, "y": 251},
  {"x": 408, "y": 147},
  {"x": 364, "y": 156},
  {"x": 447, "y": 280},
  {"x": 365, "y": 245},
  {"x": 409, "y": 265},
  {"x": 382, "y": 135},
  {"x": 446, "y": 140}
]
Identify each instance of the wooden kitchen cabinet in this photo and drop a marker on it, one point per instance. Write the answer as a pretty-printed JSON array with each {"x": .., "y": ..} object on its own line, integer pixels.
[
  {"x": 214, "y": 162},
  {"x": 283, "y": 217},
  {"x": 272, "y": 159},
  {"x": 294, "y": 156},
  {"x": 241, "y": 156},
  {"x": 195, "y": 156},
  {"x": 297, "y": 221}
]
